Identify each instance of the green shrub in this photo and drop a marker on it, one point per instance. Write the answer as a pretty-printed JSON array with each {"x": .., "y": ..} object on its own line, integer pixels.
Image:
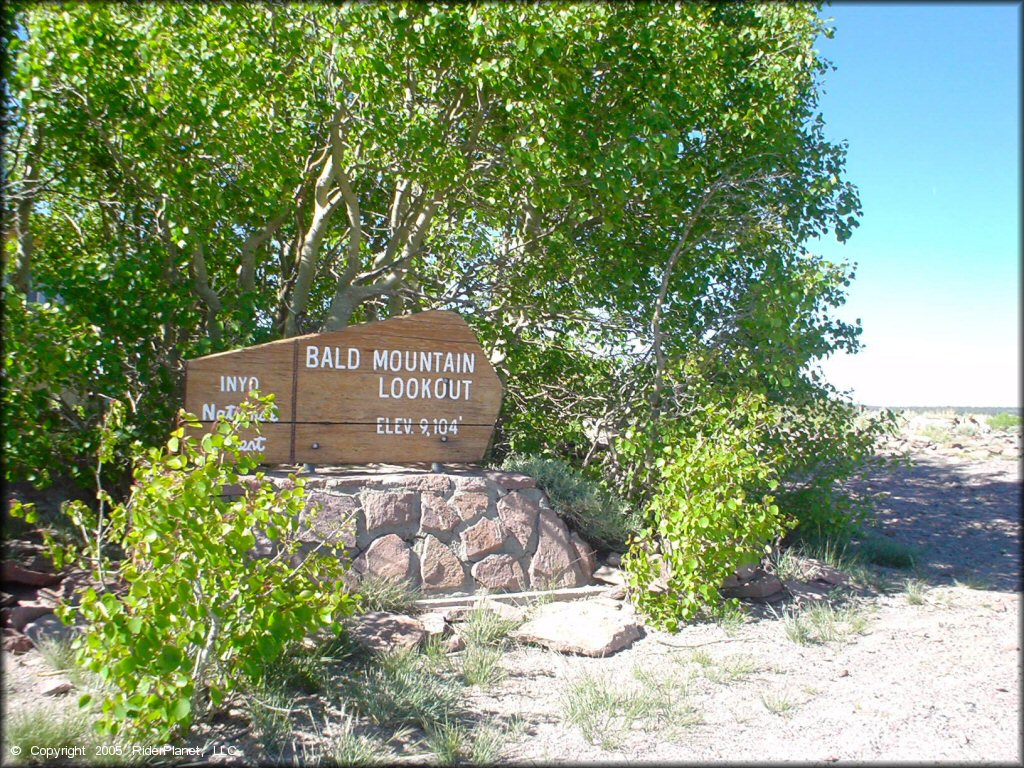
[
  {"x": 710, "y": 514},
  {"x": 200, "y": 615},
  {"x": 1007, "y": 421},
  {"x": 881, "y": 550},
  {"x": 599, "y": 516},
  {"x": 817, "y": 444}
]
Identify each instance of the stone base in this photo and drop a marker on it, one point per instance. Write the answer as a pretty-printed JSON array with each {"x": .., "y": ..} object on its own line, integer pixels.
[{"x": 447, "y": 533}]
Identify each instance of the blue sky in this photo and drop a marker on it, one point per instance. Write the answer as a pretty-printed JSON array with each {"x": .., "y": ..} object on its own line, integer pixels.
[{"x": 928, "y": 97}]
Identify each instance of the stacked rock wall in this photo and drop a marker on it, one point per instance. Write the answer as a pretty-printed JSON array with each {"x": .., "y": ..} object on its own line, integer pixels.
[{"x": 447, "y": 533}]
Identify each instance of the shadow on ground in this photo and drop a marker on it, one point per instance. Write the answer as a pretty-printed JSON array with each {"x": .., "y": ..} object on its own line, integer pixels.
[{"x": 964, "y": 518}]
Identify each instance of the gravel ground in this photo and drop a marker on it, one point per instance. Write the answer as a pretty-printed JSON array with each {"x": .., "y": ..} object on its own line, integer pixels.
[{"x": 930, "y": 673}]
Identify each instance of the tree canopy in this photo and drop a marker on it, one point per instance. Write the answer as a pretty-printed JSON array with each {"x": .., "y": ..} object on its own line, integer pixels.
[{"x": 615, "y": 196}]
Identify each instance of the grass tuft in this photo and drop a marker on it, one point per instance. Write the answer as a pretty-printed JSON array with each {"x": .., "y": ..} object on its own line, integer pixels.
[
  {"x": 380, "y": 593},
  {"x": 401, "y": 688},
  {"x": 605, "y": 710},
  {"x": 915, "y": 591},
  {"x": 483, "y": 626},
  {"x": 823, "y": 623},
  {"x": 778, "y": 702},
  {"x": 349, "y": 748},
  {"x": 731, "y": 617},
  {"x": 481, "y": 665},
  {"x": 270, "y": 712},
  {"x": 489, "y": 740},
  {"x": 446, "y": 741},
  {"x": 732, "y": 669},
  {"x": 57, "y": 653}
]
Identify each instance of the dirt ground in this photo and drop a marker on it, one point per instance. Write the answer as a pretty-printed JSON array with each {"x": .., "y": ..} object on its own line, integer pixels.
[
  {"x": 925, "y": 671},
  {"x": 938, "y": 680}
]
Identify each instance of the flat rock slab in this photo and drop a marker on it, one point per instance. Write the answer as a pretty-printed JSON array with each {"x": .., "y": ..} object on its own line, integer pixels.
[
  {"x": 48, "y": 628},
  {"x": 585, "y": 628},
  {"x": 380, "y": 631},
  {"x": 763, "y": 587}
]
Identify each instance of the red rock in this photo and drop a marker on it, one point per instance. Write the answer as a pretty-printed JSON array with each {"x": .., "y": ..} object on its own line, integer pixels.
[
  {"x": 385, "y": 509},
  {"x": 432, "y": 483},
  {"x": 387, "y": 557},
  {"x": 763, "y": 586},
  {"x": 587, "y": 557},
  {"x": 382, "y": 632},
  {"x": 518, "y": 514},
  {"x": 453, "y": 643},
  {"x": 554, "y": 563},
  {"x": 470, "y": 483},
  {"x": 481, "y": 539},
  {"x": 12, "y": 572},
  {"x": 582, "y": 627},
  {"x": 23, "y": 613},
  {"x": 435, "y": 514},
  {"x": 609, "y": 575},
  {"x": 470, "y": 505},
  {"x": 434, "y": 623},
  {"x": 512, "y": 481},
  {"x": 440, "y": 569},
  {"x": 500, "y": 572},
  {"x": 334, "y": 522},
  {"x": 15, "y": 642}
]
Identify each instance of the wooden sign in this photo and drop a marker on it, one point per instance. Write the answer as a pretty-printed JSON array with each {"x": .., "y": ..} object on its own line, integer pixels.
[{"x": 414, "y": 388}]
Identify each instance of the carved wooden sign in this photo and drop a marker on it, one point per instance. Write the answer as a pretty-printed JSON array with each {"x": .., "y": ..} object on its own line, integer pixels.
[{"x": 414, "y": 388}]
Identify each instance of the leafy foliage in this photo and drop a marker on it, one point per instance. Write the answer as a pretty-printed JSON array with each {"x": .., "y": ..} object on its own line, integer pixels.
[
  {"x": 201, "y": 613},
  {"x": 710, "y": 514}
]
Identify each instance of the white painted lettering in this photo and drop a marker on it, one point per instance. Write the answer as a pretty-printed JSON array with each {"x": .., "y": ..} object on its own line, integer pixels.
[
  {"x": 380, "y": 359},
  {"x": 312, "y": 357},
  {"x": 256, "y": 444}
]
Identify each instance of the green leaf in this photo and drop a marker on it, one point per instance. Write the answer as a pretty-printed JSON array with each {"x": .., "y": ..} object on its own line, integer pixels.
[{"x": 181, "y": 709}]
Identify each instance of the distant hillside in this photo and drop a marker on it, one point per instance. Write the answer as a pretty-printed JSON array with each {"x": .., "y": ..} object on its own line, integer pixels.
[{"x": 956, "y": 409}]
